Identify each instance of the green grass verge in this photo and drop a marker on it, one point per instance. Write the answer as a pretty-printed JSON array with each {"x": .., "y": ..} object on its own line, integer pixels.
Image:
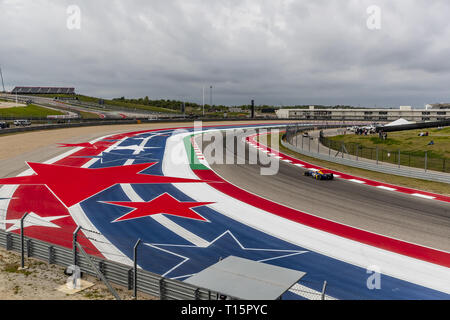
[
  {"x": 89, "y": 115},
  {"x": 404, "y": 147},
  {"x": 28, "y": 111},
  {"x": 425, "y": 185}
]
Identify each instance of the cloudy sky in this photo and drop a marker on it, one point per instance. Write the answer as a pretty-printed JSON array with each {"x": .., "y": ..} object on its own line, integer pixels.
[{"x": 279, "y": 52}]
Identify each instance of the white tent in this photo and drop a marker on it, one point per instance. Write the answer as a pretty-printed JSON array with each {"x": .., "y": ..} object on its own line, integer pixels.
[{"x": 398, "y": 122}]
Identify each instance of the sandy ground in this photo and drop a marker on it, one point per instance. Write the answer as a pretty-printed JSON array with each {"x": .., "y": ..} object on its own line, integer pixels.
[{"x": 5, "y": 105}]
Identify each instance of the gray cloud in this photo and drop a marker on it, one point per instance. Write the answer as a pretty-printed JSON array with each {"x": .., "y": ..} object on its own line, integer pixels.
[{"x": 275, "y": 51}]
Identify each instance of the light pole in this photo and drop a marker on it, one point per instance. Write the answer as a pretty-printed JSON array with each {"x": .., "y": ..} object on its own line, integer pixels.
[{"x": 210, "y": 95}]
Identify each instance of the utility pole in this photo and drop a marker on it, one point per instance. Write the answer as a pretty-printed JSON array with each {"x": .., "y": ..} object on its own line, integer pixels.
[{"x": 3, "y": 84}]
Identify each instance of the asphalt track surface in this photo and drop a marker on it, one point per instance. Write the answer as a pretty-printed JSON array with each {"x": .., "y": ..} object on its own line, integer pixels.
[{"x": 421, "y": 221}]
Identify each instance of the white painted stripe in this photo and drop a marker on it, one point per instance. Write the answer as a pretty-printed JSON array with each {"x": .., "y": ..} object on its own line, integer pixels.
[
  {"x": 356, "y": 180},
  {"x": 108, "y": 250},
  {"x": 287, "y": 160},
  {"x": 386, "y": 188},
  {"x": 90, "y": 163},
  {"x": 182, "y": 232},
  {"x": 63, "y": 155},
  {"x": 299, "y": 165},
  {"x": 422, "y": 196}
]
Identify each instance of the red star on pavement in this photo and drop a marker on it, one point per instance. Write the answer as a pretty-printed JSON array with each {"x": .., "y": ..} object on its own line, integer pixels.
[
  {"x": 86, "y": 145},
  {"x": 72, "y": 185},
  {"x": 164, "y": 203}
]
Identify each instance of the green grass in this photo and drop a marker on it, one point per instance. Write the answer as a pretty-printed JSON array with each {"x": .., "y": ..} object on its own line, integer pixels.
[
  {"x": 116, "y": 103},
  {"x": 412, "y": 147},
  {"x": 406, "y": 141},
  {"x": 14, "y": 268},
  {"x": 30, "y": 111}
]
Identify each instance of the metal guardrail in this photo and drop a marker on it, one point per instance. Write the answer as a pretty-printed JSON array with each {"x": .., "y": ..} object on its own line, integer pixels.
[
  {"x": 96, "y": 122},
  {"x": 388, "y": 169},
  {"x": 147, "y": 282},
  {"x": 396, "y": 157}
]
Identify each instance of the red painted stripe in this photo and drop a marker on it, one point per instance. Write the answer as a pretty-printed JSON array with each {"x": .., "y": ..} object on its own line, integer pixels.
[
  {"x": 372, "y": 239},
  {"x": 369, "y": 182}
]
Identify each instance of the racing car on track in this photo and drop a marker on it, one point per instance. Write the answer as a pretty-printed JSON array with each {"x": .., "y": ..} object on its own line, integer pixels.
[{"x": 319, "y": 174}]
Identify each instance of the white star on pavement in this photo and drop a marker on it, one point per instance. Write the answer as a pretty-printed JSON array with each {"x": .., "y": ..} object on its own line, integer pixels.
[
  {"x": 136, "y": 148},
  {"x": 31, "y": 220}
]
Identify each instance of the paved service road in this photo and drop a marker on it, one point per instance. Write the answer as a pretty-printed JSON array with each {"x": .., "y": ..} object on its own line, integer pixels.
[{"x": 421, "y": 221}]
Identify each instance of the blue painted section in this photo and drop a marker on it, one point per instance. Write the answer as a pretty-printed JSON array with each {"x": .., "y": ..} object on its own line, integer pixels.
[{"x": 167, "y": 253}]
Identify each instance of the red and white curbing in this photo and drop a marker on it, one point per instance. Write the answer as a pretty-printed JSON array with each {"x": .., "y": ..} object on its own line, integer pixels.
[
  {"x": 385, "y": 186},
  {"x": 197, "y": 151}
]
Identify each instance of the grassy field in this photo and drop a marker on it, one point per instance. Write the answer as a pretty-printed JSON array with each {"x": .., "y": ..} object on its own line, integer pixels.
[
  {"x": 407, "y": 141},
  {"x": 404, "y": 147},
  {"x": 425, "y": 185},
  {"x": 30, "y": 111}
]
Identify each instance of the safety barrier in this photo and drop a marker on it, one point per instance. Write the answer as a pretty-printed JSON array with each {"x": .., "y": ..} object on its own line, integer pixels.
[
  {"x": 396, "y": 157},
  {"x": 387, "y": 168}
]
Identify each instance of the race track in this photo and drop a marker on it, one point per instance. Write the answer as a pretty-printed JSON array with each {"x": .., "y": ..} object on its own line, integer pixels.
[
  {"x": 422, "y": 221},
  {"x": 141, "y": 185}
]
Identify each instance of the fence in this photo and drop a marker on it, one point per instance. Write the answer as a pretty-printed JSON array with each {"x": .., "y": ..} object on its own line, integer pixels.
[
  {"x": 397, "y": 157},
  {"x": 147, "y": 282}
]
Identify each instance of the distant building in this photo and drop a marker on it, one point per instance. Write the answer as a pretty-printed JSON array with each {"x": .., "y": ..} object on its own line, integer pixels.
[
  {"x": 43, "y": 90},
  {"x": 439, "y": 106},
  {"x": 376, "y": 115}
]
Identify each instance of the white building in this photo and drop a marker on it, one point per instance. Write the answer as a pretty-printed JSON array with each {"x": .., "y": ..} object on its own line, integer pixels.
[{"x": 382, "y": 115}]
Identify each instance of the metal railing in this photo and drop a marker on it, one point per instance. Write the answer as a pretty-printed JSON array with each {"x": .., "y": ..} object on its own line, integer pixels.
[
  {"x": 309, "y": 146},
  {"x": 393, "y": 156},
  {"x": 147, "y": 282}
]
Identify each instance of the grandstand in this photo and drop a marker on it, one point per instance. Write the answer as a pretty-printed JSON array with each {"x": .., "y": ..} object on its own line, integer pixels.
[{"x": 43, "y": 90}]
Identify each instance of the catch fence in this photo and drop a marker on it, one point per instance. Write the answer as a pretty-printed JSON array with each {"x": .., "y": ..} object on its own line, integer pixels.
[{"x": 423, "y": 160}]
